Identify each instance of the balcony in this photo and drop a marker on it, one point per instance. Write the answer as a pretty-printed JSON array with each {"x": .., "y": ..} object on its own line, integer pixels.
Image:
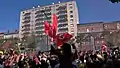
[
  {"x": 48, "y": 10},
  {"x": 26, "y": 33},
  {"x": 48, "y": 18},
  {"x": 40, "y": 27},
  {"x": 48, "y": 13},
  {"x": 62, "y": 16},
  {"x": 39, "y": 15},
  {"x": 61, "y": 12},
  {"x": 26, "y": 29},
  {"x": 38, "y": 12},
  {"x": 26, "y": 25},
  {"x": 62, "y": 29},
  {"x": 39, "y": 32},
  {"x": 26, "y": 18},
  {"x": 43, "y": 11},
  {"x": 26, "y": 21},
  {"x": 26, "y": 14},
  {"x": 62, "y": 25},
  {"x": 39, "y": 19},
  {"x": 62, "y": 20},
  {"x": 39, "y": 23},
  {"x": 62, "y": 8}
]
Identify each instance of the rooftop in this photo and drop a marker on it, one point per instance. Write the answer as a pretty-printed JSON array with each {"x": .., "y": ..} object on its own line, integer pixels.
[
  {"x": 98, "y": 23},
  {"x": 39, "y": 6}
]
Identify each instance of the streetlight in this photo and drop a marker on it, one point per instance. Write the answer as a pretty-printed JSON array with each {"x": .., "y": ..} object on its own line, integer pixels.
[{"x": 47, "y": 36}]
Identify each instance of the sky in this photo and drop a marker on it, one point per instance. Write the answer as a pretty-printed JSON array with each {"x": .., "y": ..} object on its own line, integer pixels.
[{"x": 89, "y": 11}]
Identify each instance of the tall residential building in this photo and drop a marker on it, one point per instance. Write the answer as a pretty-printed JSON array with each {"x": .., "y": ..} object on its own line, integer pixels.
[{"x": 32, "y": 20}]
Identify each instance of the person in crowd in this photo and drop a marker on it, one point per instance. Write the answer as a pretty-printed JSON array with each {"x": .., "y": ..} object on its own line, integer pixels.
[{"x": 65, "y": 60}]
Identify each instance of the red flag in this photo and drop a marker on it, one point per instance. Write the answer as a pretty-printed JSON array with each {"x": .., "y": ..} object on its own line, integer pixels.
[
  {"x": 51, "y": 30},
  {"x": 48, "y": 29},
  {"x": 55, "y": 25},
  {"x": 62, "y": 38},
  {"x": 104, "y": 48}
]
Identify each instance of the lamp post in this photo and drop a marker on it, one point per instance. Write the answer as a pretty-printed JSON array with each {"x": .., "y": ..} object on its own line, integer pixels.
[
  {"x": 47, "y": 35},
  {"x": 93, "y": 42}
]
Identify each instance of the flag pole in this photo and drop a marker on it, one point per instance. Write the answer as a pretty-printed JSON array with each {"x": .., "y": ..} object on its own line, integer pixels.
[{"x": 49, "y": 26}]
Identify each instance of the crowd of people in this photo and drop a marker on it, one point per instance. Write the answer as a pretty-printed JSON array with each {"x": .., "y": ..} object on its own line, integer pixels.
[{"x": 65, "y": 57}]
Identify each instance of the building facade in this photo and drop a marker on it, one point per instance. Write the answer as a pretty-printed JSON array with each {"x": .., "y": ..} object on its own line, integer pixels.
[
  {"x": 11, "y": 35},
  {"x": 32, "y": 20},
  {"x": 2, "y": 35},
  {"x": 94, "y": 33}
]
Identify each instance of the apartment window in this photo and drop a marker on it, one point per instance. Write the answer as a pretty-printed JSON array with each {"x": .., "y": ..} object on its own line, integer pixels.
[
  {"x": 70, "y": 4},
  {"x": 71, "y": 16},
  {"x": 33, "y": 9},
  {"x": 71, "y": 20},
  {"x": 42, "y": 8},
  {"x": 72, "y": 25},
  {"x": 72, "y": 31},
  {"x": 23, "y": 12},
  {"x": 57, "y": 5},
  {"x": 36, "y": 9},
  {"x": 49, "y": 6},
  {"x": 71, "y": 7},
  {"x": 71, "y": 11}
]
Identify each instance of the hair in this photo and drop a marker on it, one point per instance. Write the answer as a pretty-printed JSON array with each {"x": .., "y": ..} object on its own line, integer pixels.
[{"x": 66, "y": 49}]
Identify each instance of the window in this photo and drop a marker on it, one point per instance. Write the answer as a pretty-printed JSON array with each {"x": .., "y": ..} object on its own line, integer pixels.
[
  {"x": 71, "y": 20},
  {"x": 88, "y": 30},
  {"x": 71, "y": 11},
  {"x": 23, "y": 12},
  {"x": 72, "y": 25},
  {"x": 72, "y": 31},
  {"x": 71, "y": 7},
  {"x": 71, "y": 16},
  {"x": 70, "y": 4},
  {"x": 57, "y": 5},
  {"x": 46, "y": 7},
  {"x": 42, "y": 8}
]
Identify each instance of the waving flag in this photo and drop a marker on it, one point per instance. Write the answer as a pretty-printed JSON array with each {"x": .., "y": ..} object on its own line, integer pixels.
[
  {"x": 48, "y": 29},
  {"x": 62, "y": 38},
  {"x": 55, "y": 24},
  {"x": 51, "y": 30}
]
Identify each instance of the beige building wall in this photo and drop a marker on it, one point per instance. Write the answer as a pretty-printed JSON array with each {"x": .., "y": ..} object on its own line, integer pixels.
[{"x": 32, "y": 20}]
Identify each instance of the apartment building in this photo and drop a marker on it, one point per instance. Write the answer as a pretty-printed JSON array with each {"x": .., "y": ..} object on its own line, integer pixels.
[{"x": 32, "y": 20}]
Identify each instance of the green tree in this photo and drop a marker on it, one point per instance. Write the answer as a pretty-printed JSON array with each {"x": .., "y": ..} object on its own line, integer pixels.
[
  {"x": 80, "y": 38},
  {"x": 112, "y": 38},
  {"x": 31, "y": 41},
  {"x": 1, "y": 41},
  {"x": 115, "y": 1}
]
